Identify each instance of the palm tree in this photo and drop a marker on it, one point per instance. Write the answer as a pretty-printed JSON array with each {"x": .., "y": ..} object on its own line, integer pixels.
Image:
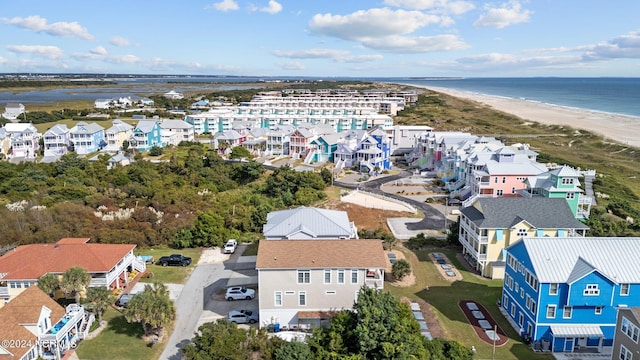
[
  {"x": 75, "y": 280},
  {"x": 98, "y": 299},
  {"x": 49, "y": 283},
  {"x": 152, "y": 308}
]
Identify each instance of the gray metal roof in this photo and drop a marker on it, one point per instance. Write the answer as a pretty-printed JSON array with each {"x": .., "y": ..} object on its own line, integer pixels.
[
  {"x": 58, "y": 129},
  {"x": 84, "y": 128},
  {"x": 563, "y": 260},
  {"x": 541, "y": 213},
  {"x": 146, "y": 126},
  {"x": 313, "y": 222}
]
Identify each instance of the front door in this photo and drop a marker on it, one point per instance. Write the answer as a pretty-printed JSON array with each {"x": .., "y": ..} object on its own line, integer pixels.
[
  {"x": 582, "y": 342},
  {"x": 568, "y": 345}
]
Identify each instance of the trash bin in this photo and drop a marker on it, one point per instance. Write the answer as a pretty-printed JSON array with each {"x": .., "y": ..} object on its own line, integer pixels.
[
  {"x": 276, "y": 327},
  {"x": 270, "y": 328}
]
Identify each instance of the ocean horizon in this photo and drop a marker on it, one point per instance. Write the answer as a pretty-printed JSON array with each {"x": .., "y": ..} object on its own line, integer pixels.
[{"x": 615, "y": 95}]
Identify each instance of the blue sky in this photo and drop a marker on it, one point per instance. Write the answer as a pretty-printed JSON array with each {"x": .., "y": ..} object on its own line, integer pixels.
[{"x": 323, "y": 37}]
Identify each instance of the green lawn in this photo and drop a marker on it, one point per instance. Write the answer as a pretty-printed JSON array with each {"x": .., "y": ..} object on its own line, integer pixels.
[
  {"x": 169, "y": 274},
  {"x": 251, "y": 249},
  {"x": 444, "y": 297},
  {"x": 119, "y": 340}
]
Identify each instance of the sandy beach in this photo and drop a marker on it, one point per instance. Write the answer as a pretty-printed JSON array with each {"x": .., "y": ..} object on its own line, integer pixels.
[{"x": 621, "y": 128}]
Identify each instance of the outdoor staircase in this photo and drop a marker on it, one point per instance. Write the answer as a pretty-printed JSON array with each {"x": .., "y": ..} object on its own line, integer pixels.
[{"x": 309, "y": 157}]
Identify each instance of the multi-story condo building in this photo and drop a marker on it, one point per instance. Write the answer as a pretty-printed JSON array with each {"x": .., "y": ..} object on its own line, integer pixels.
[
  {"x": 489, "y": 225},
  {"x": 563, "y": 293}
]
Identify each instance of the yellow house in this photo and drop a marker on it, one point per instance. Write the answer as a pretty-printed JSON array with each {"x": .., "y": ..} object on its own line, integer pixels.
[{"x": 491, "y": 224}]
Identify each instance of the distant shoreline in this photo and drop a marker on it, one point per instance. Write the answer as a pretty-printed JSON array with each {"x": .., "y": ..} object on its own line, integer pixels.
[{"x": 620, "y": 128}]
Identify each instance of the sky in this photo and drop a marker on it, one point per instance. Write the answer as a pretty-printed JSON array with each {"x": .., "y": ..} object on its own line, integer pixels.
[{"x": 326, "y": 38}]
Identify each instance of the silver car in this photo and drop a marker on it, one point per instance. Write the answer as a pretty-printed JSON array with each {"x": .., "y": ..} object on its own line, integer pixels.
[{"x": 243, "y": 316}]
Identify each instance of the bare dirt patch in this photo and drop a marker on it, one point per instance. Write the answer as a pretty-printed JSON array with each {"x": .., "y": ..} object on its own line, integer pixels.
[{"x": 365, "y": 218}]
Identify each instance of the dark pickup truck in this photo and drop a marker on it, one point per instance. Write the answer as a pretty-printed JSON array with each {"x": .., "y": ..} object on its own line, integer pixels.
[{"x": 174, "y": 260}]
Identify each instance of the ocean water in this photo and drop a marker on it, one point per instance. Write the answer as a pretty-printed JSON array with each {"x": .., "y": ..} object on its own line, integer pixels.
[{"x": 611, "y": 95}]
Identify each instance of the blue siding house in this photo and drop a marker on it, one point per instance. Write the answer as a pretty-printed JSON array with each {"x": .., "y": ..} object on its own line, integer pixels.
[
  {"x": 87, "y": 138},
  {"x": 563, "y": 293},
  {"x": 146, "y": 135}
]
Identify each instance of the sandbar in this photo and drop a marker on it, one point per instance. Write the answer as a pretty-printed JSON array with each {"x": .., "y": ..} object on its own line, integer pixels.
[{"x": 623, "y": 129}]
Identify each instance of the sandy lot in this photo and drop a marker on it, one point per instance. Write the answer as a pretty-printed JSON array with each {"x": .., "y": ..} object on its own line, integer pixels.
[
  {"x": 621, "y": 128},
  {"x": 374, "y": 202}
]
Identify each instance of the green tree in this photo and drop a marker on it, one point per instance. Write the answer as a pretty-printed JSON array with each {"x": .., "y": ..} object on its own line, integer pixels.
[
  {"x": 152, "y": 308},
  {"x": 452, "y": 235},
  {"x": 49, "y": 283},
  {"x": 294, "y": 350},
  {"x": 98, "y": 299},
  {"x": 400, "y": 269},
  {"x": 75, "y": 280},
  {"x": 155, "y": 151},
  {"x": 239, "y": 152},
  {"x": 220, "y": 340}
]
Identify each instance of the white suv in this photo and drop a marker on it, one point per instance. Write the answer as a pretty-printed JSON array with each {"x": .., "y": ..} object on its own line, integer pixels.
[
  {"x": 239, "y": 293},
  {"x": 230, "y": 246}
]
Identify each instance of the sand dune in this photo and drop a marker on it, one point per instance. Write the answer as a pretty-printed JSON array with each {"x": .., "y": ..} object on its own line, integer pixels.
[{"x": 621, "y": 128}]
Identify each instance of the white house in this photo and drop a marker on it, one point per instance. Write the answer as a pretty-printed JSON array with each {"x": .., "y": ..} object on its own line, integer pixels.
[
  {"x": 173, "y": 132},
  {"x": 56, "y": 140},
  {"x": 24, "y": 139},
  {"x": 173, "y": 95},
  {"x": 309, "y": 223},
  {"x": 12, "y": 111}
]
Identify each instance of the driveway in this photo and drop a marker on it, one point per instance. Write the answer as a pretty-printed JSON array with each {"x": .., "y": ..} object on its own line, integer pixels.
[{"x": 196, "y": 303}]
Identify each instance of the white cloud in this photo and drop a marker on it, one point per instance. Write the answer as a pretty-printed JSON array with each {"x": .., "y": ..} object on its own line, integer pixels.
[
  {"x": 624, "y": 46},
  {"x": 359, "y": 58},
  {"x": 47, "y": 51},
  {"x": 310, "y": 53},
  {"x": 39, "y": 24},
  {"x": 417, "y": 44},
  {"x": 295, "y": 65},
  {"x": 274, "y": 7},
  {"x": 226, "y": 5},
  {"x": 445, "y": 6},
  {"x": 99, "y": 50},
  {"x": 119, "y": 41},
  {"x": 371, "y": 23},
  {"x": 500, "y": 17}
]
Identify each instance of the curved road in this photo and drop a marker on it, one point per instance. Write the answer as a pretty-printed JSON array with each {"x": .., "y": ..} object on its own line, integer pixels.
[{"x": 433, "y": 218}]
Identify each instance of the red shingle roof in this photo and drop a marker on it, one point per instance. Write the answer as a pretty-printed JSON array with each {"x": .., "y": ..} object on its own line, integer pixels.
[
  {"x": 29, "y": 262},
  {"x": 291, "y": 254}
]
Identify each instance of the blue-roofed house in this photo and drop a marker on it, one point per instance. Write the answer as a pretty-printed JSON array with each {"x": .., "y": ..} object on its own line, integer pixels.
[
  {"x": 87, "y": 138},
  {"x": 491, "y": 224},
  {"x": 146, "y": 135},
  {"x": 304, "y": 223},
  {"x": 56, "y": 140},
  {"x": 563, "y": 292}
]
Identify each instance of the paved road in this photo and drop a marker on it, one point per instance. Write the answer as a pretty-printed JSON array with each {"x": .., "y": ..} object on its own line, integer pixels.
[
  {"x": 433, "y": 218},
  {"x": 196, "y": 301}
]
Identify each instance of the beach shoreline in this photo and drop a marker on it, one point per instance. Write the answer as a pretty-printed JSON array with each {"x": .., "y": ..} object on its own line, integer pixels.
[{"x": 623, "y": 129}]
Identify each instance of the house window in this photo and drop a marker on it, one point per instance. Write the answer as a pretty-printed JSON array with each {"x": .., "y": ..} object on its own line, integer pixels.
[
  {"x": 26, "y": 284},
  {"x": 354, "y": 276},
  {"x": 625, "y": 354},
  {"x": 571, "y": 195},
  {"x": 304, "y": 276},
  {"x": 591, "y": 290},
  {"x": 566, "y": 181},
  {"x": 553, "y": 289},
  {"x": 499, "y": 192},
  {"x": 520, "y": 319},
  {"x": 551, "y": 311},
  {"x": 495, "y": 180},
  {"x": 302, "y": 298},
  {"x": 598, "y": 310},
  {"x": 327, "y": 276},
  {"x": 504, "y": 179},
  {"x": 517, "y": 287},
  {"x": 630, "y": 329},
  {"x": 505, "y": 301},
  {"x": 277, "y": 298},
  {"x": 513, "y": 190},
  {"x": 624, "y": 289},
  {"x": 521, "y": 232},
  {"x": 12, "y": 285},
  {"x": 522, "y": 293},
  {"x": 567, "y": 312},
  {"x": 341, "y": 276},
  {"x": 513, "y": 310}
]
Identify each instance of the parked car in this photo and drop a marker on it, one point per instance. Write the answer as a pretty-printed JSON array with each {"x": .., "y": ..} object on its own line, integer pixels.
[
  {"x": 174, "y": 260},
  {"x": 230, "y": 246},
  {"x": 239, "y": 293},
  {"x": 243, "y": 316},
  {"x": 124, "y": 300}
]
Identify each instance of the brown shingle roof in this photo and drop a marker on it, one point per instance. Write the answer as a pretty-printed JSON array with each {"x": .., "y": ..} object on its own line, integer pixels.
[
  {"x": 288, "y": 254},
  {"x": 24, "y": 310},
  {"x": 29, "y": 262}
]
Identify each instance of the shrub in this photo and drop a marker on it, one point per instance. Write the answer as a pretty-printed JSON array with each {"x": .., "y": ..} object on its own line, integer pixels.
[{"x": 400, "y": 269}]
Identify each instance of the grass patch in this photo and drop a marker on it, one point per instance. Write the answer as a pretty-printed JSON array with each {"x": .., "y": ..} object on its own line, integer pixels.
[
  {"x": 169, "y": 274},
  {"x": 251, "y": 249},
  {"x": 444, "y": 297},
  {"x": 119, "y": 340}
]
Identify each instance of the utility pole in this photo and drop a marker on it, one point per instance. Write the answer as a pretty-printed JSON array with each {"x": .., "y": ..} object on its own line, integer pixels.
[{"x": 495, "y": 335}]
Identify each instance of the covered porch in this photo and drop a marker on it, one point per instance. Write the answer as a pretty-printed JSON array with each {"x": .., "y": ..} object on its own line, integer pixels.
[{"x": 576, "y": 338}]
